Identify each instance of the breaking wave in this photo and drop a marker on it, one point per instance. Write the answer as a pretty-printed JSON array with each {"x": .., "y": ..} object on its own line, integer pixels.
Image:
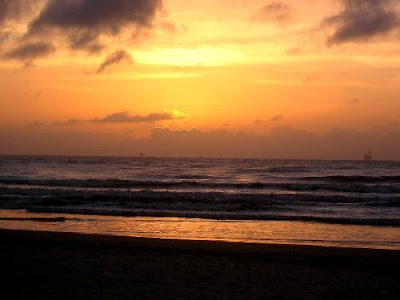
[{"x": 336, "y": 184}]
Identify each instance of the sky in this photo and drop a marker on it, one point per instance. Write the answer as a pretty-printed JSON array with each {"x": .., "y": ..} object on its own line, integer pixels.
[{"x": 213, "y": 78}]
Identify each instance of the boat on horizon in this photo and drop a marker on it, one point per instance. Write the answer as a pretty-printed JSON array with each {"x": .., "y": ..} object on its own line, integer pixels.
[{"x": 368, "y": 156}]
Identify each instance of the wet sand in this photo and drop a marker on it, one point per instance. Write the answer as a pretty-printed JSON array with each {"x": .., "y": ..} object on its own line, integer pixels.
[{"x": 65, "y": 266}]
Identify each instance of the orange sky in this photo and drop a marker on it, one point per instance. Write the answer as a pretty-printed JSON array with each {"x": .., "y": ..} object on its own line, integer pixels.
[{"x": 241, "y": 66}]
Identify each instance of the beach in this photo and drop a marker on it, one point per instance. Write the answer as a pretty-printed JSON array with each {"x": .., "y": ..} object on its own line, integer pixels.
[
  {"x": 69, "y": 265},
  {"x": 158, "y": 228}
]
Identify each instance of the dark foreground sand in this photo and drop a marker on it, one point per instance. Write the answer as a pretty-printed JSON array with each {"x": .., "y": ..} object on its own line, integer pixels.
[{"x": 58, "y": 265}]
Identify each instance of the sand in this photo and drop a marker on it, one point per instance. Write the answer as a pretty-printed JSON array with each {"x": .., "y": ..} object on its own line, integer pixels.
[{"x": 65, "y": 266}]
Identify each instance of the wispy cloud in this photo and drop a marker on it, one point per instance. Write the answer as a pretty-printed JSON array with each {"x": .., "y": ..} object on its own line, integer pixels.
[
  {"x": 67, "y": 123},
  {"x": 276, "y": 12},
  {"x": 70, "y": 122},
  {"x": 16, "y": 9},
  {"x": 115, "y": 58},
  {"x": 31, "y": 51},
  {"x": 276, "y": 118},
  {"x": 37, "y": 124}
]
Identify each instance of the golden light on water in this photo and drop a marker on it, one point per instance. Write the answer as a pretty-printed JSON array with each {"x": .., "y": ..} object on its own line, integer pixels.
[{"x": 274, "y": 232}]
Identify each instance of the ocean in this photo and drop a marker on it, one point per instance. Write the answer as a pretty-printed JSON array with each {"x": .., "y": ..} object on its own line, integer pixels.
[{"x": 340, "y": 203}]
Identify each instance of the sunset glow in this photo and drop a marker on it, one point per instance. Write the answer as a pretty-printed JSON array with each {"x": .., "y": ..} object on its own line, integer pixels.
[
  {"x": 236, "y": 66},
  {"x": 200, "y": 149}
]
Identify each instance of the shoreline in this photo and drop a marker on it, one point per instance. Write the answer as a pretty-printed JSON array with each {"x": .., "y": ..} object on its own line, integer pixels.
[
  {"x": 217, "y": 216},
  {"x": 237, "y": 231},
  {"x": 66, "y": 265}
]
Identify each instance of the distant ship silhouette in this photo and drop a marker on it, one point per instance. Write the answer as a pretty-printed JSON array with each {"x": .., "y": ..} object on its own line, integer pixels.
[{"x": 368, "y": 156}]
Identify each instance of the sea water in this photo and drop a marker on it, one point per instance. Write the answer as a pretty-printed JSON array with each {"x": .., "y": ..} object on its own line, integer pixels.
[{"x": 342, "y": 203}]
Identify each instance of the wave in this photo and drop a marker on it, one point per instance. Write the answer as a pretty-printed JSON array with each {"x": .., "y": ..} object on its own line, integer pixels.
[
  {"x": 356, "y": 178},
  {"x": 288, "y": 170},
  {"x": 235, "y": 203},
  {"x": 337, "y": 184},
  {"x": 192, "y": 194},
  {"x": 341, "y": 209},
  {"x": 261, "y": 170},
  {"x": 193, "y": 176}
]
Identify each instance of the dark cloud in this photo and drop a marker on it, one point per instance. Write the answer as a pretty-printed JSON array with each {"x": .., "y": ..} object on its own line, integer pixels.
[
  {"x": 115, "y": 58},
  {"x": 84, "y": 22},
  {"x": 276, "y": 12},
  {"x": 276, "y": 118},
  {"x": 31, "y": 51},
  {"x": 125, "y": 117},
  {"x": 361, "y": 20},
  {"x": 87, "y": 41},
  {"x": 355, "y": 100}
]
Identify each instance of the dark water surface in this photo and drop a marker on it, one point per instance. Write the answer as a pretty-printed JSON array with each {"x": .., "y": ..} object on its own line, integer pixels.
[{"x": 345, "y": 193}]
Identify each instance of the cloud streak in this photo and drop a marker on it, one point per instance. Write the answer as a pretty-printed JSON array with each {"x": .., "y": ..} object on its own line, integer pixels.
[
  {"x": 125, "y": 117},
  {"x": 31, "y": 51},
  {"x": 115, "y": 58},
  {"x": 362, "y": 20},
  {"x": 276, "y": 118},
  {"x": 67, "y": 123},
  {"x": 120, "y": 117}
]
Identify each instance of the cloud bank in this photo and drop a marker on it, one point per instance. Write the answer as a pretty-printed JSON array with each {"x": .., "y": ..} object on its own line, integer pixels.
[
  {"x": 125, "y": 117},
  {"x": 280, "y": 143}
]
